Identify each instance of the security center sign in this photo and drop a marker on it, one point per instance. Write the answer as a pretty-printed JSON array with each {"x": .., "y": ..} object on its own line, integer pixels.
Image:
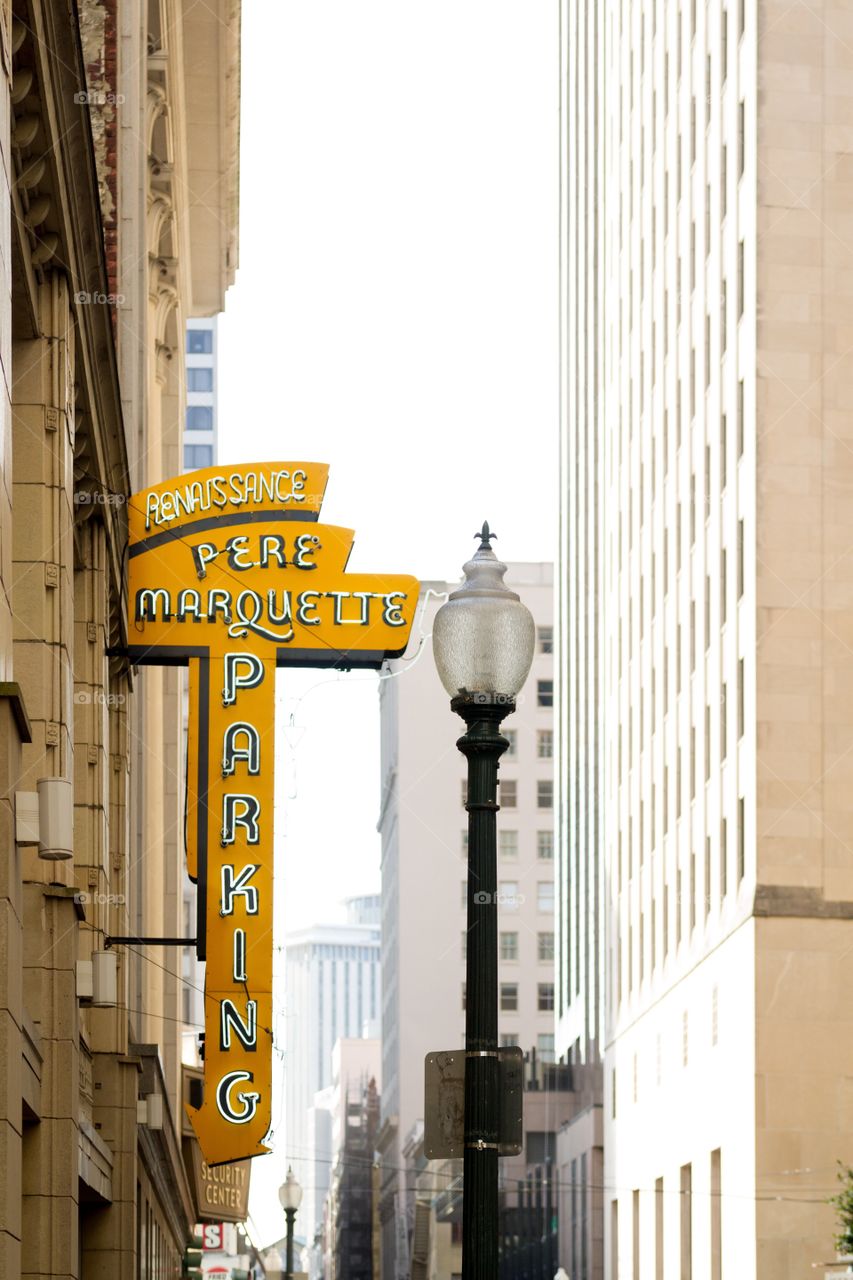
[{"x": 232, "y": 575}]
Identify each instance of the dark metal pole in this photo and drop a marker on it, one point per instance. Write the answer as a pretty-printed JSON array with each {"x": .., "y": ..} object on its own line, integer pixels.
[
  {"x": 483, "y": 747},
  {"x": 290, "y": 1214}
]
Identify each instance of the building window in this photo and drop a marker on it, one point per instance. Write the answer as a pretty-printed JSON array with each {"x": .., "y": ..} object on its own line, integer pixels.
[
  {"x": 716, "y": 1217},
  {"x": 545, "y": 1046},
  {"x": 545, "y": 997},
  {"x": 508, "y": 844},
  {"x": 740, "y": 559},
  {"x": 545, "y": 793},
  {"x": 198, "y": 455},
  {"x": 463, "y": 787},
  {"x": 510, "y": 1040},
  {"x": 464, "y": 998},
  {"x": 545, "y": 639},
  {"x": 511, "y": 736},
  {"x": 545, "y": 895},
  {"x": 509, "y": 946},
  {"x": 545, "y": 845},
  {"x": 545, "y": 744},
  {"x": 508, "y": 793},
  {"x": 464, "y": 844},
  {"x": 509, "y": 897},
  {"x": 573, "y": 1220},
  {"x": 545, "y": 693},
  {"x": 635, "y": 1236},
  {"x": 740, "y": 410},
  {"x": 686, "y": 1222},
  {"x": 199, "y": 379},
  {"x": 740, "y": 696},
  {"x": 707, "y": 875},
  {"x": 741, "y": 138},
  {"x": 199, "y": 342},
  {"x": 659, "y": 1229},
  {"x": 540, "y": 1147},
  {"x": 545, "y": 946},
  {"x": 464, "y": 893},
  {"x": 509, "y": 997},
  {"x": 741, "y": 839},
  {"x": 464, "y": 944},
  {"x": 741, "y": 287},
  {"x": 199, "y": 417}
]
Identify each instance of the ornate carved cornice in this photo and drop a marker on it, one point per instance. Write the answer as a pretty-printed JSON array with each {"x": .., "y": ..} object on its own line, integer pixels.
[{"x": 57, "y": 226}]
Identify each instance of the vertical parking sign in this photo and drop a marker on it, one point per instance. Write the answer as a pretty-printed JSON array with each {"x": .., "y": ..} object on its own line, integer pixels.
[{"x": 232, "y": 575}]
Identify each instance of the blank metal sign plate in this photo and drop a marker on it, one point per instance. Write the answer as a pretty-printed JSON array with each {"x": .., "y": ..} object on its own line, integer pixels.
[{"x": 444, "y": 1103}]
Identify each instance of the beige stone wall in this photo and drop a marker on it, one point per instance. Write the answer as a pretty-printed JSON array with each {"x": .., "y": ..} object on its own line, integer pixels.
[
  {"x": 78, "y": 1170},
  {"x": 804, "y": 616},
  {"x": 11, "y": 1000},
  {"x": 804, "y": 1088},
  {"x": 5, "y": 370},
  {"x": 11, "y": 905},
  {"x": 43, "y": 628},
  {"x": 159, "y": 742},
  {"x": 804, "y": 443}
]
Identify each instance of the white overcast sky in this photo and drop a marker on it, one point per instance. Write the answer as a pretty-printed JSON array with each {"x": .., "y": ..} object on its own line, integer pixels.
[{"x": 394, "y": 315}]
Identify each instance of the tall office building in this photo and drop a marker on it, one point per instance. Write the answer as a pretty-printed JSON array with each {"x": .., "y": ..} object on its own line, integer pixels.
[
  {"x": 424, "y": 829},
  {"x": 705, "y": 666},
  {"x": 201, "y": 422},
  {"x": 198, "y": 450},
  {"x": 333, "y": 992}
]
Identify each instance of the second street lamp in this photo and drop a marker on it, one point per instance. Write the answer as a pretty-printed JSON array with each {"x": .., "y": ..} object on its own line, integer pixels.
[
  {"x": 290, "y": 1197},
  {"x": 483, "y": 642}
]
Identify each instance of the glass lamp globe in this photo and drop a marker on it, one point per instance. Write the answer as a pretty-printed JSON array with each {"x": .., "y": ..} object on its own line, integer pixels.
[
  {"x": 290, "y": 1193},
  {"x": 483, "y": 638}
]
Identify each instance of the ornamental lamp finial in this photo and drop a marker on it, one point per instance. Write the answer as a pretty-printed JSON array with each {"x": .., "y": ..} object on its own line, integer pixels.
[{"x": 485, "y": 535}]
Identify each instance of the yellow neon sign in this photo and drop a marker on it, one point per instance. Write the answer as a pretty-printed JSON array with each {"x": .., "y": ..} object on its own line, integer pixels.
[{"x": 231, "y": 574}]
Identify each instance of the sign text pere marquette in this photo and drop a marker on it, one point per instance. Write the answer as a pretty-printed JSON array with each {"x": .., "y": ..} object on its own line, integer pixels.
[{"x": 232, "y": 575}]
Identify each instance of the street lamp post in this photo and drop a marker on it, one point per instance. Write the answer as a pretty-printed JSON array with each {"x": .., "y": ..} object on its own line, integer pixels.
[
  {"x": 483, "y": 642},
  {"x": 290, "y": 1196}
]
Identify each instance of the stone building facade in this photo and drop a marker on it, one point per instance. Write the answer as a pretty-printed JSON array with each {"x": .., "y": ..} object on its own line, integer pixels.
[
  {"x": 705, "y": 914},
  {"x": 118, "y": 205}
]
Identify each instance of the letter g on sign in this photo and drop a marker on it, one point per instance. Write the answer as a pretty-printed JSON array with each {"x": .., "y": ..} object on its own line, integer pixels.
[{"x": 248, "y": 1099}]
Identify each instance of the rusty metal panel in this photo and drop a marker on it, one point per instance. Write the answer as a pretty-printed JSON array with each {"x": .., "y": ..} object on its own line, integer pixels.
[{"x": 444, "y": 1103}]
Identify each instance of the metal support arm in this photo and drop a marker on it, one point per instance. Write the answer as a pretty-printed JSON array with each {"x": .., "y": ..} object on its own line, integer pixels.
[{"x": 134, "y": 940}]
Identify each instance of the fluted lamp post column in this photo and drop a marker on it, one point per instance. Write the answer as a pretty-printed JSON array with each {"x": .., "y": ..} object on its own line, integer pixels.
[
  {"x": 290, "y": 1196},
  {"x": 483, "y": 643}
]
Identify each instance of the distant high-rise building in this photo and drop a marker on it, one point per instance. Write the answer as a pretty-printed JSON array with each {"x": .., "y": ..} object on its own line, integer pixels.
[
  {"x": 424, "y": 828},
  {"x": 198, "y": 450},
  {"x": 706, "y": 613},
  {"x": 332, "y": 992},
  {"x": 201, "y": 422},
  {"x": 351, "y": 1211}
]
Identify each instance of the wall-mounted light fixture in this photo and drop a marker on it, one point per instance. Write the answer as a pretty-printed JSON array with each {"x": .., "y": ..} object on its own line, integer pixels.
[{"x": 45, "y": 817}]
